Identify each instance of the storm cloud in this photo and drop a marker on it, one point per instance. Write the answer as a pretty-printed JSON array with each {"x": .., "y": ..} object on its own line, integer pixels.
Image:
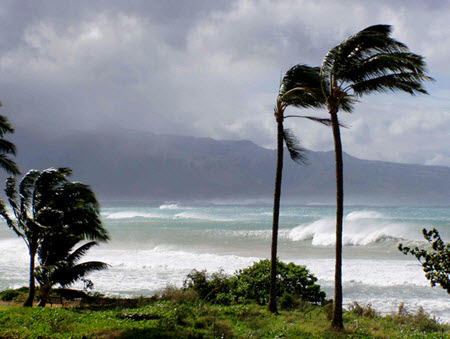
[{"x": 212, "y": 69}]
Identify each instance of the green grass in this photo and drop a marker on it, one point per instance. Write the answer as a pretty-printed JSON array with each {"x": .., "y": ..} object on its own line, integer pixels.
[{"x": 194, "y": 319}]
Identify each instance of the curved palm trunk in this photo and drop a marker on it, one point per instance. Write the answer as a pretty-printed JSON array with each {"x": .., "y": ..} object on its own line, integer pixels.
[
  {"x": 272, "y": 306},
  {"x": 337, "y": 322},
  {"x": 32, "y": 284}
]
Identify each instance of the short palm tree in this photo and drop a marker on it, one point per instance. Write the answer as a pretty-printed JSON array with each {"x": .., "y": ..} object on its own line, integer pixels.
[
  {"x": 367, "y": 62},
  {"x": 60, "y": 265},
  {"x": 46, "y": 200}
]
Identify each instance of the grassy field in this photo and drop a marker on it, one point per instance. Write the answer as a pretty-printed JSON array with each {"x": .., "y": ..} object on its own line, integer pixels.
[{"x": 182, "y": 316}]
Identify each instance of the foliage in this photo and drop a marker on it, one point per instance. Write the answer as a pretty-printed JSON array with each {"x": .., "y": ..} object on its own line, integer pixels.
[
  {"x": 52, "y": 215},
  {"x": 436, "y": 261},
  {"x": 166, "y": 319},
  {"x": 8, "y": 295},
  {"x": 252, "y": 283},
  {"x": 7, "y": 148},
  {"x": 366, "y": 311}
]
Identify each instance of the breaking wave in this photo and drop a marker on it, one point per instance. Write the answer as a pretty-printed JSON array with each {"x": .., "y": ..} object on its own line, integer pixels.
[
  {"x": 169, "y": 207},
  {"x": 360, "y": 228}
]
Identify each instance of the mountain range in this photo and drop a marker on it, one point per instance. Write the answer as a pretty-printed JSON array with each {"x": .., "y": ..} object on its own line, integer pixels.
[{"x": 145, "y": 166}]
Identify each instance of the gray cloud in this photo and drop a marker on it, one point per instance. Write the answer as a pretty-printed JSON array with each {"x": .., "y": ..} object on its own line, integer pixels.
[{"x": 209, "y": 68}]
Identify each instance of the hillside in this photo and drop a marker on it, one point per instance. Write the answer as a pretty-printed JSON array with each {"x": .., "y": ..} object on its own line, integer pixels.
[{"x": 146, "y": 166}]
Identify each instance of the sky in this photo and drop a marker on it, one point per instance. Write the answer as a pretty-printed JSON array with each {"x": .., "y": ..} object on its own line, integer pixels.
[{"x": 212, "y": 69}]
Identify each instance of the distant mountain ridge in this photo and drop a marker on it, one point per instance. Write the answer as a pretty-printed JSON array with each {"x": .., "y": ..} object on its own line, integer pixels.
[{"x": 146, "y": 166}]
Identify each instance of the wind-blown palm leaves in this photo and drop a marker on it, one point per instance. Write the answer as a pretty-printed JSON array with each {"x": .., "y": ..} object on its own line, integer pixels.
[
  {"x": 369, "y": 61},
  {"x": 46, "y": 202},
  {"x": 60, "y": 265},
  {"x": 7, "y": 148}
]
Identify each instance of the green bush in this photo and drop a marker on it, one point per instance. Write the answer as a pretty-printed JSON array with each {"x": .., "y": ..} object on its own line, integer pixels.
[
  {"x": 252, "y": 283},
  {"x": 8, "y": 295}
]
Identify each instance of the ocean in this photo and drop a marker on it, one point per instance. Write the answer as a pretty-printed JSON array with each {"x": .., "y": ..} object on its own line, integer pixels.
[{"x": 156, "y": 244}]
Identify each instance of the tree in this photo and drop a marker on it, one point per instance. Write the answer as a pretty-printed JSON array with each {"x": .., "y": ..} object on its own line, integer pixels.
[
  {"x": 436, "y": 261},
  {"x": 369, "y": 61},
  {"x": 60, "y": 265},
  {"x": 45, "y": 200},
  {"x": 291, "y": 93}
]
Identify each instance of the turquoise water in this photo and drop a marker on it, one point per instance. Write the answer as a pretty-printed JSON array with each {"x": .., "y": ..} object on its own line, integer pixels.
[{"x": 158, "y": 244}]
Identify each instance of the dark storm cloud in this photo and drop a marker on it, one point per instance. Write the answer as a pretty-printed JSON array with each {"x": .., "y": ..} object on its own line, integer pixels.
[{"x": 211, "y": 68}]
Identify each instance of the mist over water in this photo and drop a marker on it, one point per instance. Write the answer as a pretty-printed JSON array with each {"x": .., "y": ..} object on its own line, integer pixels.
[{"x": 153, "y": 245}]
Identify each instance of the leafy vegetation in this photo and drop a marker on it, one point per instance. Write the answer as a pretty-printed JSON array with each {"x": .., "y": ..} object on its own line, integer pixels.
[
  {"x": 7, "y": 148},
  {"x": 436, "y": 261},
  {"x": 52, "y": 215},
  {"x": 252, "y": 284},
  {"x": 169, "y": 316}
]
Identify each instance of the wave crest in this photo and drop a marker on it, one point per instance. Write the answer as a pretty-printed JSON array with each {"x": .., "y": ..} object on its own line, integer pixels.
[{"x": 360, "y": 228}]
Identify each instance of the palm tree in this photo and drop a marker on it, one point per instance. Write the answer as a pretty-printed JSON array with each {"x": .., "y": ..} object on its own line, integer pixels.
[
  {"x": 78, "y": 219},
  {"x": 369, "y": 61},
  {"x": 290, "y": 94},
  {"x": 47, "y": 199},
  {"x": 62, "y": 266}
]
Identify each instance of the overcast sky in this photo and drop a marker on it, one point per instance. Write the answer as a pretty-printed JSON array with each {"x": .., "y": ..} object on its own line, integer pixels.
[{"x": 212, "y": 69}]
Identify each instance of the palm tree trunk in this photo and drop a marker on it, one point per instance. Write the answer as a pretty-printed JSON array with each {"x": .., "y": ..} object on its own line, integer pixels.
[
  {"x": 337, "y": 323},
  {"x": 32, "y": 284},
  {"x": 272, "y": 306},
  {"x": 44, "y": 291}
]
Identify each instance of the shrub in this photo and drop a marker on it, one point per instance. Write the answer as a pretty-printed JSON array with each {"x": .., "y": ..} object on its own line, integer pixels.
[
  {"x": 252, "y": 283},
  {"x": 8, "y": 295},
  {"x": 366, "y": 311}
]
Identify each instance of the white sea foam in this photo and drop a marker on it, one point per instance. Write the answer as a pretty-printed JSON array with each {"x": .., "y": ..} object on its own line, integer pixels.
[
  {"x": 360, "y": 228},
  {"x": 200, "y": 216},
  {"x": 134, "y": 214},
  {"x": 136, "y": 271},
  {"x": 169, "y": 207}
]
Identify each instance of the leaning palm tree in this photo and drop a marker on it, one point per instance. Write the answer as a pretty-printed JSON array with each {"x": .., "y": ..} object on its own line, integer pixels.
[
  {"x": 369, "y": 61},
  {"x": 45, "y": 200},
  {"x": 290, "y": 94}
]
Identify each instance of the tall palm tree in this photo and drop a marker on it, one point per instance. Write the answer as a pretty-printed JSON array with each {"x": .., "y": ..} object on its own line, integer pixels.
[
  {"x": 369, "y": 61},
  {"x": 47, "y": 199},
  {"x": 290, "y": 94}
]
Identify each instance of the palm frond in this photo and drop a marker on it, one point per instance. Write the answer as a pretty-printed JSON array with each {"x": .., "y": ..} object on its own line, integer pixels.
[
  {"x": 46, "y": 185},
  {"x": 296, "y": 151},
  {"x": 300, "y": 87},
  {"x": 8, "y": 165},
  {"x": 7, "y": 147},
  {"x": 373, "y": 39},
  {"x": 26, "y": 188},
  {"x": 9, "y": 222},
  {"x": 76, "y": 255},
  {"x": 11, "y": 195},
  {"x": 5, "y": 126},
  {"x": 69, "y": 275},
  {"x": 390, "y": 82}
]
